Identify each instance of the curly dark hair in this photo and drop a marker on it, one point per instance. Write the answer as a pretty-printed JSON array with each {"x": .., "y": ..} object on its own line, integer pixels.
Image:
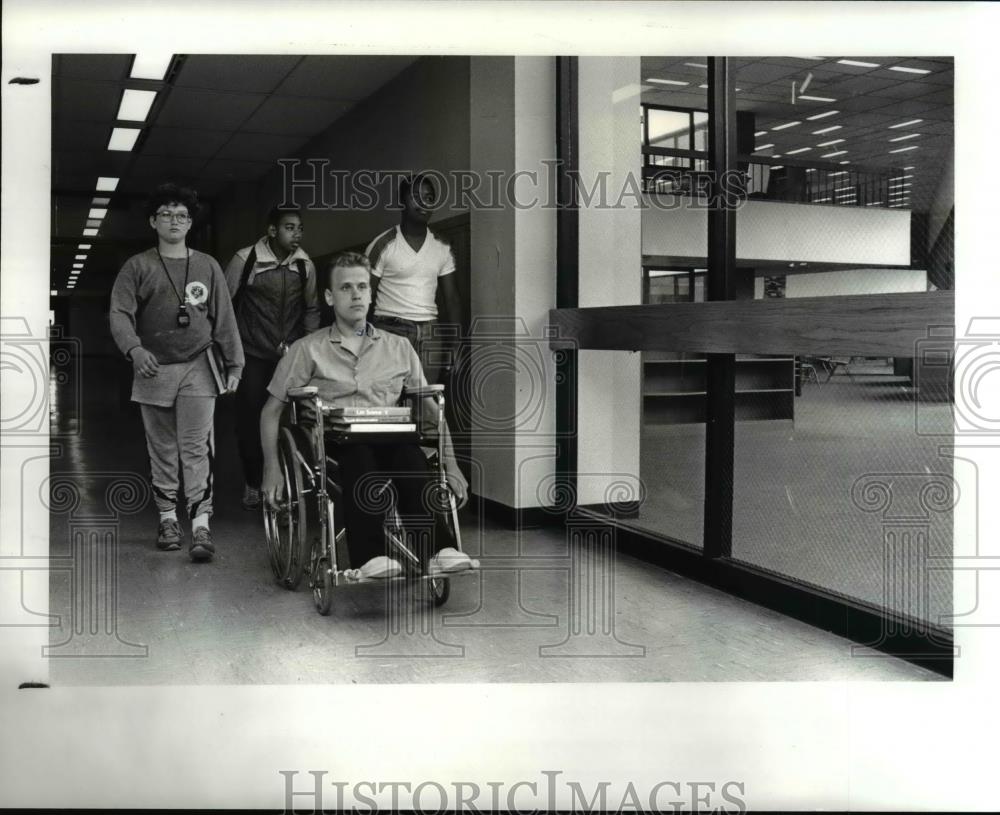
[
  {"x": 276, "y": 214},
  {"x": 172, "y": 194}
]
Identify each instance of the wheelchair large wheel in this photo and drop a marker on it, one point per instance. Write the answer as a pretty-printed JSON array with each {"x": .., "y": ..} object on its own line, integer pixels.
[{"x": 286, "y": 528}]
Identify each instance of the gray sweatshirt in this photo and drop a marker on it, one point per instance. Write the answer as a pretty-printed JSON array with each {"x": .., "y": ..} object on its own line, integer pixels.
[{"x": 144, "y": 308}]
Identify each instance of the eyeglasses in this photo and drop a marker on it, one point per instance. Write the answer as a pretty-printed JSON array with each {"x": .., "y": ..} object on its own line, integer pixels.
[{"x": 180, "y": 217}]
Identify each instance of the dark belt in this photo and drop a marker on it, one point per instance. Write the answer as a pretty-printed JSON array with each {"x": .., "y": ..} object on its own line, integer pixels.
[{"x": 399, "y": 321}]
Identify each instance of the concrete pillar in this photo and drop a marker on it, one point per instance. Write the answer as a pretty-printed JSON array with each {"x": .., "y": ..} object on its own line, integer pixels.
[
  {"x": 609, "y": 391},
  {"x": 512, "y": 386}
]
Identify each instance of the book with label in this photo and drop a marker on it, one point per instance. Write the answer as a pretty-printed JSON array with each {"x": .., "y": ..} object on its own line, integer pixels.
[
  {"x": 374, "y": 427},
  {"x": 353, "y": 414}
]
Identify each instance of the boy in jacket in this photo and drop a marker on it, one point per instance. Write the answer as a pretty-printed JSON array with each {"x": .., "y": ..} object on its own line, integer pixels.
[{"x": 273, "y": 286}]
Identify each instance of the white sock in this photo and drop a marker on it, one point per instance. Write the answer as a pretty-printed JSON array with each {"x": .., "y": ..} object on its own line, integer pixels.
[
  {"x": 200, "y": 521},
  {"x": 169, "y": 515}
]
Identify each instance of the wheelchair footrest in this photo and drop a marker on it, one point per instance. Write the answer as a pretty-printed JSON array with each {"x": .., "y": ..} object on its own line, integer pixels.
[{"x": 345, "y": 578}]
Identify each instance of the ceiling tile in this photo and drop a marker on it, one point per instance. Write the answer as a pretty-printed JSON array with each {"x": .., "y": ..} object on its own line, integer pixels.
[
  {"x": 259, "y": 146},
  {"x": 85, "y": 100},
  {"x": 210, "y": 110},
  {"x": 226, "y": 72},
  {"x": 295, "y": 116},
  {"x": 111, "y": 67},
  {"x": 167, "y": 168},
  {"x": 80, "y": 136},
  {"x": 179, "y": 141},
  {"x": 233, "y": 171},
  {"x": 343, "y": 77}
]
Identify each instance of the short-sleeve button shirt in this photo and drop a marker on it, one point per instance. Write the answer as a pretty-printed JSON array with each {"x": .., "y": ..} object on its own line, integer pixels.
[{"x": 385, "y": 364}]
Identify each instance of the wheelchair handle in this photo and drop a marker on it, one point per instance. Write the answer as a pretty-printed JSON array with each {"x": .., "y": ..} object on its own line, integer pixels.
[{"x": 303, "y": 392}]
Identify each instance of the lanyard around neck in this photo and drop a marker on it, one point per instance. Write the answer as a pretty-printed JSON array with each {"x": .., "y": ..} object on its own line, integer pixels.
[{"x": 187, "y": 268}]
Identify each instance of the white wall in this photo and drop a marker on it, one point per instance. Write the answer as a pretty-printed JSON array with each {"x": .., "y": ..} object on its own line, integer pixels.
[
  {"x": 855, "y": 281},
  {"x": 768, "y": 230},
  {"x": 609, "y": 389},
  {"x": 512, "y": 108},
  {"x": 418, "y": 120}
]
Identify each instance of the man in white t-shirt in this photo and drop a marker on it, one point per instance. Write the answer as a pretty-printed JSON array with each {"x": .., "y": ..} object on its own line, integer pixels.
[{"x": 409, "y": 263}]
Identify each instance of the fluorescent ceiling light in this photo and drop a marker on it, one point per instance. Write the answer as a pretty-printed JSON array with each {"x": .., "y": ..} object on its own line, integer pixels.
[
  {"x": 79, "y": 257},
  {"x": 820, "y": 200},
  {"x": 778, "y": 167},
  {"x": 874, "y": 204},
  {"x": 666, "y": 81},
  {"x": 83, "y": 246},
  {"x": 703, "y": 86},
  {"x": 839, "y": 172},
  {"x": 829, "y": 143},
  {"x": 860, "y": 64},
  {"x": 829, "y": 129},
  {"x": 695, "y": 65},
  {"x": 77, "y": 265},
  {"x": 98, "y": 212},
  {"x": 834, "y": 153},
  {"x": 53, "y": 292},
  {"x": 89, "y": 233},
  {"x": 904, "y": 186},
  {"x": 822, "y": 115},
  {"x": 904, "y": 149},
  {"x": 905, "y": 70},
  {"x": 135, "y": 105},
  {"x": 150, "y": 66},
  {"x": 765, "y": 146},
  {"x": 760, "y": 132},
  {"x": 846, "y": 161},
  {"x": 906, "y": 124},
  {"x": 100, "y": 202},
  {"x": 904, "y": 138},
  {"x": 94, "y": 223},
  {"x": 797, "y": 150},
  {"x": 106, "y": 184},
  {"x": 810, "y": 169},
  {"x": 815, "y": 98},
  {"x": 901, "y": 177},
  {"x": 776, "y": 155},
  {"x": 786, "y": 124},
  {"x": 123, "y": 138}
]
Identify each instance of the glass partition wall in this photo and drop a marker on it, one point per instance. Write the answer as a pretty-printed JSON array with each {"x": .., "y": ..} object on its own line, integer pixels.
[{"x": 842, "y": 192}]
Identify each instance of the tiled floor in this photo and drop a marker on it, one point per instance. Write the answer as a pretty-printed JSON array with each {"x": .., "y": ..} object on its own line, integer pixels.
[{"x": 538, "y": 612}]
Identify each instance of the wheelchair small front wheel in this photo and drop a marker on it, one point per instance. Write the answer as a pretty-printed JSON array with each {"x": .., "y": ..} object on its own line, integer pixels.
[
  {"x": 322, "y": 586},
  {"x": 440, "y": 590}
]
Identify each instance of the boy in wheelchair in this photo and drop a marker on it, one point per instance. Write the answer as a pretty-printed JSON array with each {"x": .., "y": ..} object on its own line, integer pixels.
[{"x": 354, "y": 364}]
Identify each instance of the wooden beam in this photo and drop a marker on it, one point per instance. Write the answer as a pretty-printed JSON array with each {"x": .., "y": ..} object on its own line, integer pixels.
[{"x": 862, "y": 325}]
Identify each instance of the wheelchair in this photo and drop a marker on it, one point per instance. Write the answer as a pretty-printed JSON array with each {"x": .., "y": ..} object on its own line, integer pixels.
[{"x": 301, "y": 533}]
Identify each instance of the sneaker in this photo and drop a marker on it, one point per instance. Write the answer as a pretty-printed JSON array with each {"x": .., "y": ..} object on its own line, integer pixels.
[
  {"x": 168, "y": 539},
  {"x": 448, "y": 560},
  {"x": 378, "y": 568},
  {"x": 251, "y": 497},
  {"x": 202, "y": 547}
]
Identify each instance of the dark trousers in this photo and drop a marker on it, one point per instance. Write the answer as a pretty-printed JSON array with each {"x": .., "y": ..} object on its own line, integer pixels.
[
  {"x": 250, "y": 398},
  {"x": 363, "y": 469}
]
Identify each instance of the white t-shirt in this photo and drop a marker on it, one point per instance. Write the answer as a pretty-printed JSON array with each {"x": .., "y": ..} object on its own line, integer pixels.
[{"x": 408, "y": 279}]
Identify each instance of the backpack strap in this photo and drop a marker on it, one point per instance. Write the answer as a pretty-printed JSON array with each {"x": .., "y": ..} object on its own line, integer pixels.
[{"x": 247, "y": 269}]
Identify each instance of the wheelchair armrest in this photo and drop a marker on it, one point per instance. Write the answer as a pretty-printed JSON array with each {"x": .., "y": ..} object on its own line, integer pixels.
[
  {"x": 424, "y": 390},
  {"x": 304, "y": 392}
]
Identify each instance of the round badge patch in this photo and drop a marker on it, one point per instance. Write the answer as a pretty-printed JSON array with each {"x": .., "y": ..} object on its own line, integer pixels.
[{"x": 195, "y": 293}]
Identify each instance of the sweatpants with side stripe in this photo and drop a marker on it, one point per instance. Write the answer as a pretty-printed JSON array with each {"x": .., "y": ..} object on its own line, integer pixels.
[{"x": 183, "y": 434}]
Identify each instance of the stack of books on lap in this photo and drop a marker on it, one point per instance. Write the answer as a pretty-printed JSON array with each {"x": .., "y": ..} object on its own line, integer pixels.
[{"x": 371, "y": 420}]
